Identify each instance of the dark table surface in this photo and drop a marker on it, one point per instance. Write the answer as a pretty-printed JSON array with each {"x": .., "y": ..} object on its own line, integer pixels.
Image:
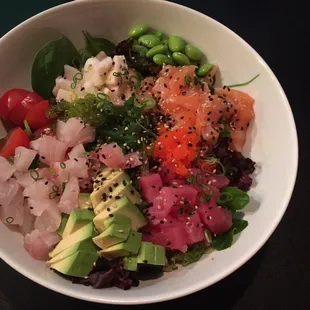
[{"x": 278, "y": 276}]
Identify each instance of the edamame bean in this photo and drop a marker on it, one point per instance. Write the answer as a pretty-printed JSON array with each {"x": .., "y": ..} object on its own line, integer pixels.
[
  {"x": 176, "y": 44},
  {"x": 142, "y": 50},
  {"x": 192, "y": 52},
  {"x": 204, "y": 69},
  {"x": 158, "y": 49},
  {"x": 159, "y": 34},
  {"x": 161, "y": 59},
  {"x": 169, "y": 54},
  {"x": 138, "y": 30},
  {"x": 149, "y": 40},
  {"x": 181, "y": 58}
]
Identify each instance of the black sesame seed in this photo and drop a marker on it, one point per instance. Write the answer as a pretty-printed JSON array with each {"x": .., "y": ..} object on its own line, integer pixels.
[
  {"x": 117, "y": 197},
  {"x": 168, "y": 243},
  {"x": 108, "y": 209},
  {"x": 103, "y": 156},
  {"x": 132, "y": 192},
  {"x": 115, "y": 185},
  {"x": 104, "y": 197},
  {"x": 110, "y": 196},
  {"x": 124, "y": 182},
  {"x": 111, "y": 215},
  {"x": 110, "y": 189},
  {"x": 46, "y": 183},
  {"x": 189, "y": 145},
  {"x": 161, "y": 222},
  {"x": 43, "y": 157},
  {"x": 75, "y": 159}
]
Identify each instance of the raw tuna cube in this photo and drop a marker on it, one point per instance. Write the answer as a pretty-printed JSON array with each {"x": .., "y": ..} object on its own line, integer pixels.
[{"x": 150, "y": 184}]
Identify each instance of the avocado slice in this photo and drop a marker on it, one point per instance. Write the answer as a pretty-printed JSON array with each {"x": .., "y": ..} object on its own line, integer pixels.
[
  {"x": 85, "y": 245},
  {"x": 78, "y": 264},
  {"x": 102, "y": 192},
  {"x": 151, "y": 254},
  {"x": 63, "y": 223},
  {"x": 81, "y": 234},
  {"x": 131, "y": 262},
  {"x": 102, "y": 176},
  {"x": 117, "y": 218},
  {"x": 130, "y": 246},
  {"x": 110, "y": 197},
  {"x": 84, "y": 201},
  {"x": 124, "y": 207},
  {"x": 77, "y": 219},
  {"x": 114, "y": 234}
]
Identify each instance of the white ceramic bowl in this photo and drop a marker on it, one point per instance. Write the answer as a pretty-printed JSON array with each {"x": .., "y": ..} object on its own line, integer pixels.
[{"x": 273, "y": 139}]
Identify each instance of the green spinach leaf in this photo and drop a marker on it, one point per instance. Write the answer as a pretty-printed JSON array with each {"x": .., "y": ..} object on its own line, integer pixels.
[
  {"x": 96, "y": 45},
  {"x": 224, "y": 241},
  {"x": 49, "y": 63},
  {"x": 192, "y": 255},
  {"x": 233, "y": 198}
]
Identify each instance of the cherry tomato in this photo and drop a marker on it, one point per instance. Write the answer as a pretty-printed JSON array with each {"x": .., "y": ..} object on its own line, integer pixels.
[
  {"x": 19, "y": 112},
  {"x": 16, "y": 103},
  {"x": 16, "y": 137},
  {"x": 10, "y": 99},
  {"x": 37, "y": 118}
]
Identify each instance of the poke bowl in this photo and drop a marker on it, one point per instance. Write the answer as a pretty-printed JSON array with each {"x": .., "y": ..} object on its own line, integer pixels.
[{"x": 144, "y": 157}]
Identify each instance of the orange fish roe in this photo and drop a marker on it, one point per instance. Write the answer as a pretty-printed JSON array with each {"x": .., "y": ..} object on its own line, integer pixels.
[{"x": 177, "y": 149}]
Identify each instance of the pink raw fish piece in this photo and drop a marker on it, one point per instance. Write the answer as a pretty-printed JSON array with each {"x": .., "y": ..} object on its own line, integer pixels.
[
  {"x": 71, "y": 168},
  {"x": 50, "y": 149},
  {"x": 11, "y": 203},
  {"x": 49, "y": 220},
  {"x": 150, "y": 184},
  {"x": 39, "y": 244},
  {"x": 28, "y": 222},
  {"x": 111, "y": 155},
  {"x": 69, "y": 198},
  {"x": 23, "y": 158},
  {"x": 132, "y": 160},
  {"x": 74, "y": 132},
  {"x": 77, "y": 152},
  {"x": 6, "y": 169}
]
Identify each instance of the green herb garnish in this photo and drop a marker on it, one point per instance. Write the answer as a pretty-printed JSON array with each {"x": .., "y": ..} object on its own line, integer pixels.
[
  {"x": 233, "y": 198},
  {"x": 224, "y": 241},
  {"x": 243, "y": 84},
  {"x": 27, "y": 129}
]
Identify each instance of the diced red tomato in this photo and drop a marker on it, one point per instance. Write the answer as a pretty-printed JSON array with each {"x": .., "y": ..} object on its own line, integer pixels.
[
  {"x": 16, "y": 137},
  {"x": 37, "y": 118},
  {"x": 16, "y": 103}
]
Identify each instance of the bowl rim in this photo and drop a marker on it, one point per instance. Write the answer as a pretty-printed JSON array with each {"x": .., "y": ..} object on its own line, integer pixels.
[{"x": 249, "y": 253}]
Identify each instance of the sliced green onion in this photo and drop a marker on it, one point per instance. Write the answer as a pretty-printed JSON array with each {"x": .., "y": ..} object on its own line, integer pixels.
[
  {"x": 54, "y": 193},
  {"x": 27, "y": 129},
  {"x": 137, "y": 84},
  {"x": 51, "y": 171},
  {"x": 243, "y": 84},
  {"x": 35, "y": 175},
  {"x": 150, "y": 103},
  {"x": 63, "y": 186},
  {"x": 187, "y": 80},
  {"x": 11, "y": 159},
  {"x": 62, "y": 165},
  {"x": 9, "y": 220},
  {"x": 77, "y": 77},
  {"x": 102, "y": 96},
  {"x": 225, "y": 197},
  {"x": 147, "y": 130}
]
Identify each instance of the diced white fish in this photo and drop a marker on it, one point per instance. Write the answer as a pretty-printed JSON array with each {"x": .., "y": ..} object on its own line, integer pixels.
[
  {"x": 11, "y": 203},
  {"x": 23, "y": 158},
  {"x": 69, "y": 198},
  {"x": 77, "y": 152},
  {"x": 39, "y": 244},
  {"x": 49, "y": 220},
  {"x": 28, "y": 223},
  {"x": 119, "y": 67},
  {"x": 74, "y": 132},
  {"x": 70, "y": 72},
  {"x": 64, "y": 95},
  {"x": 38, "y": 205},
  {"x": 105, "y": 66},
  {"x": 50, "y": 149},
  {"x": 75, "y": 167},
  {"x": 6, "y": 168},
  {"x": 101, "y": 55}
]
